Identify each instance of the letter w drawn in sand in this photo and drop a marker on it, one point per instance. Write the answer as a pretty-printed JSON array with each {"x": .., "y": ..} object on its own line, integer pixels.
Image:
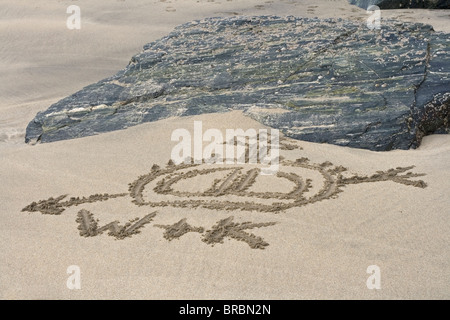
[{"x": 88, "y": 225}]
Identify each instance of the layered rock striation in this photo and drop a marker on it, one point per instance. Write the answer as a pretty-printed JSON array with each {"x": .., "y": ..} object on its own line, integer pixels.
[{"x": 330, "y": 81}]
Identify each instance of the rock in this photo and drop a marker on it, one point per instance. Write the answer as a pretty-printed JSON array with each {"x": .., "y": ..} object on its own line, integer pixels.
[
  {"x": 402, "y": 4},
  {"x": 330, "y": 81}
]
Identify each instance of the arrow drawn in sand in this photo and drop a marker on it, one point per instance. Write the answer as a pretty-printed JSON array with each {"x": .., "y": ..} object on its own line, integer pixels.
[{"x": 235, "y": 183}]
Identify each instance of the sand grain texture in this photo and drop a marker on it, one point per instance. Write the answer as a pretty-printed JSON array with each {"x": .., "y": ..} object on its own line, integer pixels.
[{"x": 317, "y": 250}]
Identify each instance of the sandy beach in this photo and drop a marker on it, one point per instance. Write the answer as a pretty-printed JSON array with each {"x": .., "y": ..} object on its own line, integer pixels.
[{"x": 309, "y": 250}]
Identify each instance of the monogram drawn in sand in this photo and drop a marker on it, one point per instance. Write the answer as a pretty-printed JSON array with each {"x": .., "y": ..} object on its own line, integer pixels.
[
  {"x": 228, "y": 187},
  {"x": 225, "y": 228}
]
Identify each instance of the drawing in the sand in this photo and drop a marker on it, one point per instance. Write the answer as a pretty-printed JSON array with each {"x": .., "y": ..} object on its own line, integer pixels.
[
  {"x": 237, "y": 182},
  {"x": 225, "y": 228},
  {"x": 231, "y": 187},
  {"x": 88, "y": 226},
  {"x": 178, "y": 229}
]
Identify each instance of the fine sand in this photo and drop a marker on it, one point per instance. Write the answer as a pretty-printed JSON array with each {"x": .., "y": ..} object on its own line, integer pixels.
[{"x": 141, "y": 227}]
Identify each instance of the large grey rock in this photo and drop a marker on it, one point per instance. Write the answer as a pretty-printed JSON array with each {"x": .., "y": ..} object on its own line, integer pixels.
[
  {"x": 328, "y": 81},
  {"x": 402, "y": 4}
]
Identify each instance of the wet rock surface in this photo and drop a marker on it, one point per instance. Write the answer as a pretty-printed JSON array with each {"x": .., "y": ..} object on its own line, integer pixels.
[
  {"x": 330, "y": 81},
  {"x": 403, "y": 4}
]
